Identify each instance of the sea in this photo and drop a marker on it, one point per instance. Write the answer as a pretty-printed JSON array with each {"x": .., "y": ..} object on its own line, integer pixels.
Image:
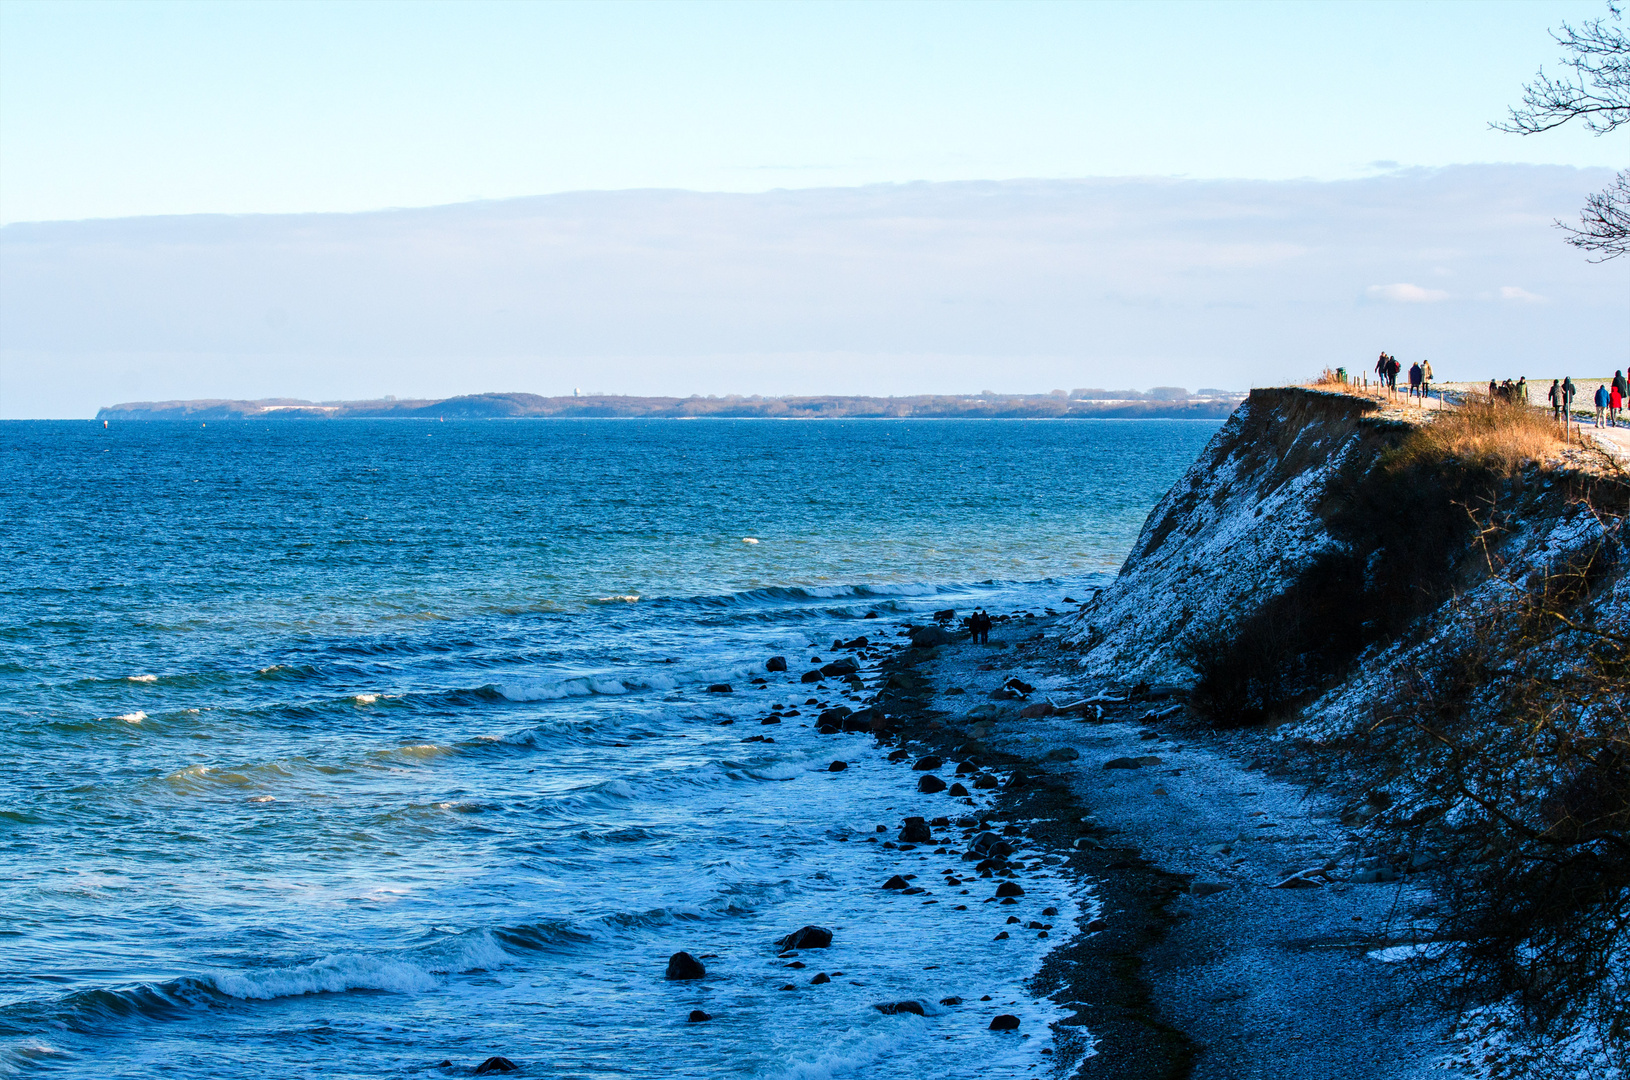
[{"x": 377, "y": 748}]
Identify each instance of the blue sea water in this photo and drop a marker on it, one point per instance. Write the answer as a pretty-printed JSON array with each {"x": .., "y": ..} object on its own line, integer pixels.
[{"x": 346, "y": 748}]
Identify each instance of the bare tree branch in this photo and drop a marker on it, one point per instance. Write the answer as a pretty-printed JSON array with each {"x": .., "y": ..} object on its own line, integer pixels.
[{"x": 1596, "y": 92}]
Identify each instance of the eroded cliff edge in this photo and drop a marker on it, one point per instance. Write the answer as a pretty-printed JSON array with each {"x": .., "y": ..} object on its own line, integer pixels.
[{"x": 1440, "y": 638}]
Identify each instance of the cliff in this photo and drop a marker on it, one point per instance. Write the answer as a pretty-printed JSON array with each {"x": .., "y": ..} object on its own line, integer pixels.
[
  {"x": 1293, "y": 504},
  {"x": 1438, "y": 637}
]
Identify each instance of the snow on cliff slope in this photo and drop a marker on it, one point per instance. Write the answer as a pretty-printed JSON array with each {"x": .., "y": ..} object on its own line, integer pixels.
[{"x": 1237, "y": 528}]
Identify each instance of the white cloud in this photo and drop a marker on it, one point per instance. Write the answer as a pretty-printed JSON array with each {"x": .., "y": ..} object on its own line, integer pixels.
[
  {"x": 1520, "y": 295},
  {"x": 1405, "y": 293},
  {"x": 893, "y": 289}
]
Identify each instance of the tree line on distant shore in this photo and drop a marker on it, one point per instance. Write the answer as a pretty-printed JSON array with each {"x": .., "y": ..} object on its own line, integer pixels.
[{"x": 1160, "y": 402}]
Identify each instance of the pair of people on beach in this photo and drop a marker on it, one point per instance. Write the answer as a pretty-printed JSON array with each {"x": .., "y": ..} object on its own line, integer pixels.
[{"x": 980, "y": 624}]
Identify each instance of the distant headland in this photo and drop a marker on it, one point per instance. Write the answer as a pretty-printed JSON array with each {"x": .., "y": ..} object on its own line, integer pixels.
[{"x": 1162, "y": 402}]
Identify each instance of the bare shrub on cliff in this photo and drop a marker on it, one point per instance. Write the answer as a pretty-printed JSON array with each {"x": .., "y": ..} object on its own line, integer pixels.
[
  {"x": 1498, "y": 436},
  {"x": 1508, "y": 761}
]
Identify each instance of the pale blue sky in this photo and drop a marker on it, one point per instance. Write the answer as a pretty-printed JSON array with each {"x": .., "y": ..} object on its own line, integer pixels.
[{"x": 111, "y": 110}]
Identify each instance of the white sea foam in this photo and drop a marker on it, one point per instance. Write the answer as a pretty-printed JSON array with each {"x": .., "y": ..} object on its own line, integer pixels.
[
  {"x": 364, "y": 699},
  {"x": 861, "y": 1055},
  {"x": 132, "y": 717},
  {"x": 332, "y": 974},
  {"x": 141, "y": 678}
]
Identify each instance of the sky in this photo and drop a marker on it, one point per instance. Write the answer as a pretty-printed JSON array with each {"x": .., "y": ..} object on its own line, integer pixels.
[{"x": 321, "y": 116}]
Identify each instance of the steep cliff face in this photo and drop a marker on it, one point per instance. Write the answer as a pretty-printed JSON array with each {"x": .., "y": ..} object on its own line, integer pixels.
[
  {"x": 1291, "y": 535},
  {"x": 1245, "y": 521}
]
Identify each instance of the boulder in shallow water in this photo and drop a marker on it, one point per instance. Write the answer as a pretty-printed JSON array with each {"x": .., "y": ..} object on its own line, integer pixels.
[
  {"x": 985, "y": 782},
  {"x": 890, "y": 1008},
  {"x": 682, "y": 965},
  {"x": 834, "y": 715},
  {"x": 1005, "y": 1022},
  {"x": 697, "y": 1016},
  {"x": 809, "y": 937},
  {"x": 837, "y": 766},
  {"x": 915, "y": 830},
  {"x": 820, "y": 978},
  {"x": 927, "y": 763},
  {"x": 721, "y": 688},
  {"x": 776, "y": 663},
  {"x": 810, "y": 676},
  {"x": 930, "y": 785},
  {"x": 896, "y": 882},
  {"x": 840, "y": 667},
  {"x": 496, "y": 1064},
  {"x": 958, "y": 791},
  {"x": 1009, "y": 888}
]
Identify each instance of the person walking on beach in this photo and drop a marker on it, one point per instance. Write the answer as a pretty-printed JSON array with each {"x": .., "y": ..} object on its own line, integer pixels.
[
  {"x": 1494, "y": 390},
  {"x": 1381, "y": 369},
  {"x": 1415, "y": 377},
  {"x": 1522, "y": 391},
  {"x": 1600, "y": 401},
  {"x": 979, "y": 623},
  {"x": 1621, "y": 387},
  {"x": 1615, "y": 402},
  {"x": 1556, "y": 399},
  {"x": 1426, "y": 378}
]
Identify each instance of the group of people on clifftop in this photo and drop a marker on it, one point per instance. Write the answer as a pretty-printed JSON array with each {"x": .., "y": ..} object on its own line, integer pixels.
[
  {"x": 1420, "y": 375},
  {"x": 1610, "y": 398}
]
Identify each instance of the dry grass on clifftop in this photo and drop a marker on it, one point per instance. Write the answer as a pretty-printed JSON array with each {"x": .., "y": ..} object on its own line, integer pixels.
[{"x": 1497, "y": 436}]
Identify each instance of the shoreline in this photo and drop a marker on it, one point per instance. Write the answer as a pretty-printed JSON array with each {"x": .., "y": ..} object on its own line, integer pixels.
[{"x": 1194, "y": 958}]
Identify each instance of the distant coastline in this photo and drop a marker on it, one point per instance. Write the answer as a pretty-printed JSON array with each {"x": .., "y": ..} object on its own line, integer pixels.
[{"x": 1159, "y": 403}]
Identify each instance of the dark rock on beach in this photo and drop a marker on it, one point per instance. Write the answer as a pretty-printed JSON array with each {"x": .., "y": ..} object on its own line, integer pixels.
[
  {"x": 810, "y": 676},
  {"x": 1131, "y": 762},
  {"x": 776, "y": 663},
  {"x": 837, "y": 766},
  {"x": 840, "y": 667},
  {"x": 864, "y": 720},
  {"x": 927, "y": 763},
  {"x": 697, "y": 1016},
  {"x": 833, "y": 716},
  {"x": 810, "y": 937},
  {"x": 1009, "y": 888},
  {"x": 1063, "y": 753},
  {"x": 1005, "y": 1022},
  {"x": 892, "y": 1007},
  {"x": 820, "y": 977},
  {"x": 496, "y": 1064},
  {"x": 930, "y": 785},
  {"x": 928, "y": 637},
  {"x": 682, "y": 965},
  {"x": 896, "y": 882},
  {"x": 721, "y": 688},
  {"x": 915, "y": 830},
  {"x": 958, "y": 791},
  {"x": 985, "y": 782}
]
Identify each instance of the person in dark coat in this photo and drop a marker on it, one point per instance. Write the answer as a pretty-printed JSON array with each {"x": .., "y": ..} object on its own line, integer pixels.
[
  {"x": 1415, "y": 378},
  {"x": 1556, "y": 399}
]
